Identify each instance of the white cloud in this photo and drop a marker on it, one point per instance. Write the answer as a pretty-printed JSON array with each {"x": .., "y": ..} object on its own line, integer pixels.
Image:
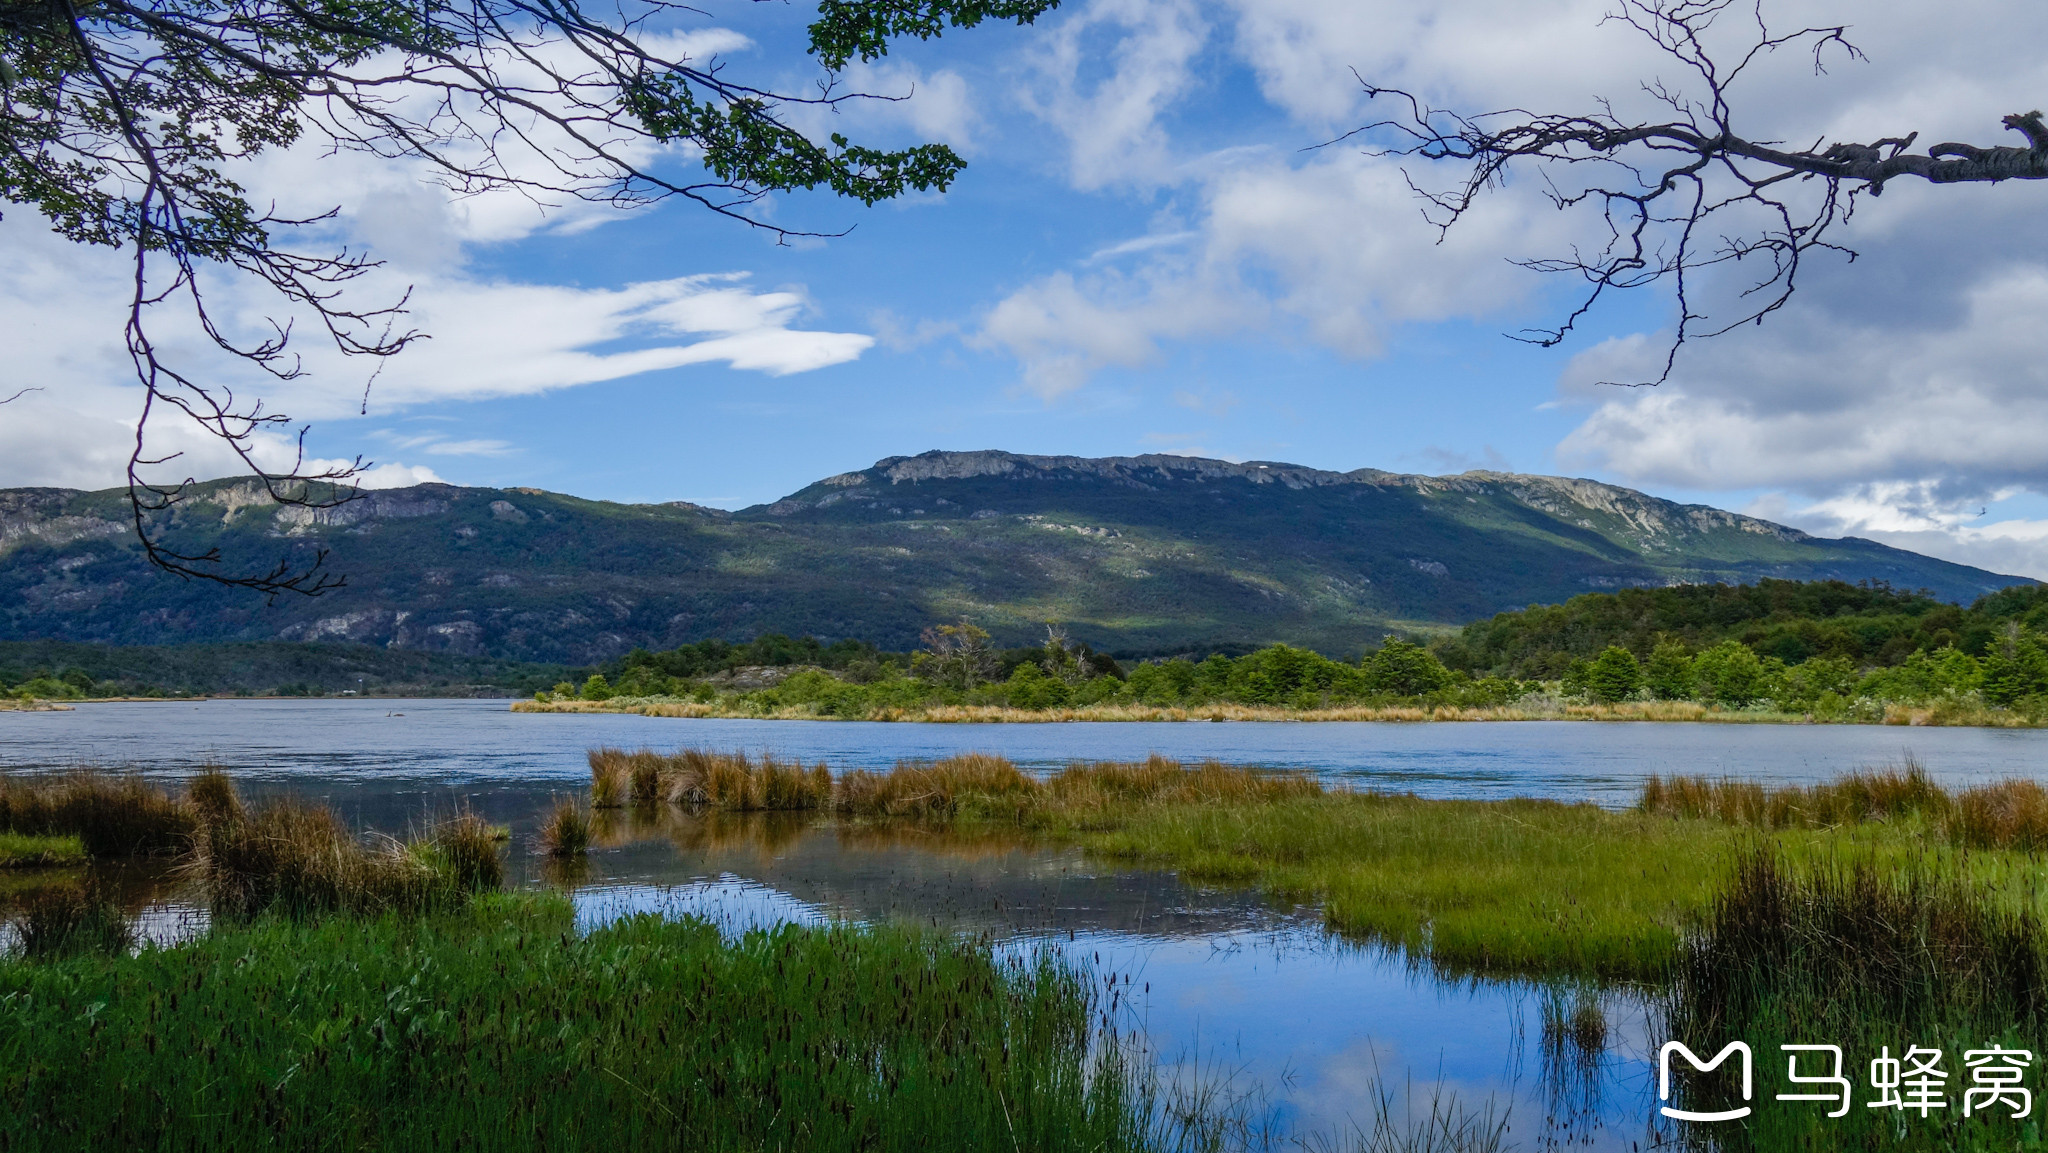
[
  {"x": 61, "y": 315},
  {"x": 1109, "y": 109},
  {"x": 1912, "y": 380}
]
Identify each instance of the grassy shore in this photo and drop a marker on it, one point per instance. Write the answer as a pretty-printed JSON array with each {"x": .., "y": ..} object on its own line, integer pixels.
[
  {"x": 498, "y": 1027},
  {"x": 1520, "y": 886},
  {"x": 740, "y": 707}
]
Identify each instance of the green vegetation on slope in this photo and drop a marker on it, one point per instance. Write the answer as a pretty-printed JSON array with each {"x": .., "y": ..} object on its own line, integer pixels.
[
  {"x": 1148, "y": 555},
  {"x": 1870, "y": 625},
  {"x": 62, "y": 671}
]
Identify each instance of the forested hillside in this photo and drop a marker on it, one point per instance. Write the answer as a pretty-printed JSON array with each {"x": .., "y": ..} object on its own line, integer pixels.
[{"x": 1140, "y": 556}]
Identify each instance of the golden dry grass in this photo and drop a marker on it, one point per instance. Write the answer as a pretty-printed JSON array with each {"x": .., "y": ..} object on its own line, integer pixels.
[
  {"x": 986, "y": 784},
  {"x": 565, "y": 831},
  {"x": 2011, "y": 814}
]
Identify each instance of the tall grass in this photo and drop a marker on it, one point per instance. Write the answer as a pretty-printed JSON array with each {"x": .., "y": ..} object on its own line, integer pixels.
[
  {"x": 501, "y": 1028},
  {"x": 111, "y": 816},
  {"x": 610, "y": 778},
  {"x": 2009, "y": 814},
  {"x": 565, "y": 831},
  {"x": 938, "y": 788},
  {"x": 977, "y": 784},
  {"x": 301, "y": 859},
  {"x": 68, "y": 919},
  {"x": 1843, "y": 951}
]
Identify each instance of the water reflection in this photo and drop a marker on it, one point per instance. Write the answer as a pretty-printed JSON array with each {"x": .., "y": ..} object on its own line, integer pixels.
[
  {"x": 475, "y": 744},
  {"x": 1315, "y": 1036}
]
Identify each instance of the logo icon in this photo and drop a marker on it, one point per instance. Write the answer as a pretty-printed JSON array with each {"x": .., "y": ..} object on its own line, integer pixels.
[{"x": 1693, "y": 1059}]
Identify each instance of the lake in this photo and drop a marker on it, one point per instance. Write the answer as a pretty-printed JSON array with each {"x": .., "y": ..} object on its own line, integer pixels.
[{"x": 1225, "y": 986}]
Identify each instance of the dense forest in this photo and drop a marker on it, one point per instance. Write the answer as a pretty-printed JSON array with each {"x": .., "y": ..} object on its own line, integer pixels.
[
  {"x": 1824, "y": 648},
  {"x": 1870, "y": 625},
  {"x": 60, "y": 670}
]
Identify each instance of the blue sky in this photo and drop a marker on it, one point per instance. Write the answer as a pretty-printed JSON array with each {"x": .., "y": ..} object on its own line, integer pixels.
[{"x": 1146, "y": 255}]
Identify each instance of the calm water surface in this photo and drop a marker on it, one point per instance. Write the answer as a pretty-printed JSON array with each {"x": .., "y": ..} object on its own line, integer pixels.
[
  {"x": 480, "y": 742},
  {"x": 1223, "y": 983}
]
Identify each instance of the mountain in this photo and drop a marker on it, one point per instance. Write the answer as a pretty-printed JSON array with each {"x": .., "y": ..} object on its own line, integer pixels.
[{"x": 1134, "y": 554}]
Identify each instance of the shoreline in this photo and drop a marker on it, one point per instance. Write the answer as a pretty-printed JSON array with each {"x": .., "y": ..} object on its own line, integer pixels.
[{"x": 1666, "y": 712}]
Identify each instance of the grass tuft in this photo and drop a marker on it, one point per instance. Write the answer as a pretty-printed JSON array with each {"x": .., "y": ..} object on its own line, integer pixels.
[
  {"x": 111, "y": 816},
  {"x": 301, "y": 859},
  {"x": 610, "y": 778},
  {"x": 565, "y": 832},
  {"x": 213, "y": 797}
]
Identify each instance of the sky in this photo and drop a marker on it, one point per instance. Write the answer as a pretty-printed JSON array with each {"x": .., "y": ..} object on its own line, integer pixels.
[{"x": 1154, "y": 249}]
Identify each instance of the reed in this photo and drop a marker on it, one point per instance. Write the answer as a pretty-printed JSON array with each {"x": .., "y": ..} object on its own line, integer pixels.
[
  {"x": 1159, "y": 780},
  {"x": 991, "y": 785},
  {"x": 980, "y": 785},
  {"x": 70, "y": 919},
  {"x": 1888, "y": 794},
  {"x": 299, "y": 859},
  {"x": 645, "y": 770},
  {"x": 501, "y": 1027},
  {"x": 611, "y": 776},
  {"x": 111, "y": 816},
  {"x": 565, "y": 831},
  {"x": 213, "y": 797},
  {"x": 2009, "y": 814},
  {"x": 1865, "y": 955}
]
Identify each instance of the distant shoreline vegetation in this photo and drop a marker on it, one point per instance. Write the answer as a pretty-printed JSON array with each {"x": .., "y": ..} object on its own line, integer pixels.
[{"x": 1774, "y": 652}]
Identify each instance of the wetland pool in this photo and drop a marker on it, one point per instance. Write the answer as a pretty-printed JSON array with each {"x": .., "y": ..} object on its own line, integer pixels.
[{"x": 1225, "y": 986}]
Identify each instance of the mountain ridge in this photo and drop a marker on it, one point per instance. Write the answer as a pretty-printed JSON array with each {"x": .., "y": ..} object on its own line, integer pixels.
[{"x": 1137, "y": 554}]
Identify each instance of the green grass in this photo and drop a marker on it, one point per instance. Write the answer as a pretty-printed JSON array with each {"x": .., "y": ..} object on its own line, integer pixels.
[
  {"x": 1525, "y": 887},
  {"x": 498, "y": 1027},
  {"x": 20, "y": 851},
  {"x": 1521, "y": 886}
]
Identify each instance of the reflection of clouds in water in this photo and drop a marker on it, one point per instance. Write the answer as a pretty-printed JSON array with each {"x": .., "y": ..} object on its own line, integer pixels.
[
  {"x": 734, "y": 904},
  {"x": 474, "y": 748}
]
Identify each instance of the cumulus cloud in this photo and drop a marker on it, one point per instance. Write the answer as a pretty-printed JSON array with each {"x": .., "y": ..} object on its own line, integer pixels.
[
  {"x": 1895, "y": 394},
  {"x": 1104, "y": 78}
]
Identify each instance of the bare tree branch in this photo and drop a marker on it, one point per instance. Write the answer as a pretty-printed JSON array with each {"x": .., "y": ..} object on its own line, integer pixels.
[
  {"x": 121, "y": 121},
  {"x": 1663, "y": 188}
]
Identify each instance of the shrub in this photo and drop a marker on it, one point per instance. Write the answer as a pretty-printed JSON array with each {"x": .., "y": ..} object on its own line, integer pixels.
[
  {"x": 1730, "y": 674},
  {"x": 1404, "y": 670},
  {"x": 1669, "y": 672},
  {"x": 1614, "y": 675}
]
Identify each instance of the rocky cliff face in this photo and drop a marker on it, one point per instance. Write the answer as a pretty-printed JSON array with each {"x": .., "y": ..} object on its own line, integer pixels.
[{"x": 1144, "y": 553}]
